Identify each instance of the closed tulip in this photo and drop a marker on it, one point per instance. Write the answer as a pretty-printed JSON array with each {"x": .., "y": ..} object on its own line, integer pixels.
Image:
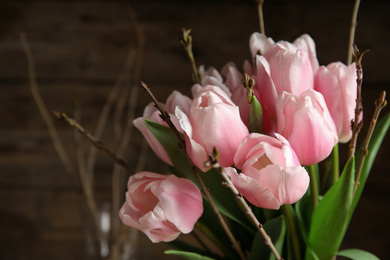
[
  {"x": 337, "y": 83},
  {"x": 213, "y": 122},
  {"x": 271, "y": 174},
  {"x": 161, "y": 206},
  {"x": 306, "y": 123}
]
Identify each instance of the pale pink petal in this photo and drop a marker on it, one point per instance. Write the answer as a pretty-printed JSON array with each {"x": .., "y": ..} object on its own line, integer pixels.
[
  {"x": 182, "y": 202},
  {"x": 157, "y": 148},
  {"x": 287, "y": 185},
  {"x": 251, "y": 189},
  {"x": 306, "y": 43}
]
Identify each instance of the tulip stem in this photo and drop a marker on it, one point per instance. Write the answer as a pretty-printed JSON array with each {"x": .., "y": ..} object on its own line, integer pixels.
[
  {"x": 379, "y": 104},
  {"x": 165, "y": 116},
  {"x": 292, "y": 230},
  {"x": 335, "y": 172},
  {"x": 313, "y": 185},
  {"x": 248, "y": 210}
]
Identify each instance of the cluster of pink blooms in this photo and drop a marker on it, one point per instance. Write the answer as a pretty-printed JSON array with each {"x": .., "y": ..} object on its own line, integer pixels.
[{"x": 307, "y": 110}]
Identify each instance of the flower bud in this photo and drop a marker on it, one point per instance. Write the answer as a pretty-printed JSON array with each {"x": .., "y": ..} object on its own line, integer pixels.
[
  {"x": 306, "y": 123},
  {"x": 213, "y": 122},
  {"x": 337, "y": 83}
]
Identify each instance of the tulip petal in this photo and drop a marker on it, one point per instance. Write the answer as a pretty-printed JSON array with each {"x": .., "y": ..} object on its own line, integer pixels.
[
  {"x": 251, "y": 189},
  {"x": 182, "y": 202}
]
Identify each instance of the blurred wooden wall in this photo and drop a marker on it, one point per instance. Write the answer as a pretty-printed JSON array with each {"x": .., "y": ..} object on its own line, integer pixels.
[{"x": 80, "y": 49}]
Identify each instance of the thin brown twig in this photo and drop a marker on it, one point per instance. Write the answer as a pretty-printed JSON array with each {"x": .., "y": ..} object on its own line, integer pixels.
[
  {"x": 165, "y": 116},
  {"x": 186, "y": 41},
  {"x": 112, "y": 97},
  {"x": 355, "y": 124},
  {"x": 98, "y": 144},
  {"x": 86, "y": 185},
  {"x": 352, "y": 31},
  {"x": 261, "y": 16},
  {"x": 43, "y": 109},
  {"x": 133, "y": 72},
  {"x": 248, "y": 210},
  {"x": 380, "y": 103}
]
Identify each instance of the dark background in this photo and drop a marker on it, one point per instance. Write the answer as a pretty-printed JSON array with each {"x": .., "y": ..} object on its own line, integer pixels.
[{"x": 80, "y": 49}]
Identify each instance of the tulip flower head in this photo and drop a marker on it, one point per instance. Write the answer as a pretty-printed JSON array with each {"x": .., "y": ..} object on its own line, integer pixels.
[
  {"x": 271, "y": 174},
  {"x": 161, "y": 206}
]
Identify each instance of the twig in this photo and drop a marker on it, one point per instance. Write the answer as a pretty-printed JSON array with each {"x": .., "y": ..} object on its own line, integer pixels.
[
  {"x": 380, "y": 103},
  {"x": 92, "y": 139},
  {"x": 186, "y": 41},
  {"x": 261, "y": 16},
  {"x": 165, "y": 116},
  {"x": 352, "y": 31},
  {"x": 86, "y": 185},
  {"x": 43, "y": 109},
  {"x": 248, "y": 210},
  {"x": 355, "y": 124},
  {"x": 133, "y": 72}
]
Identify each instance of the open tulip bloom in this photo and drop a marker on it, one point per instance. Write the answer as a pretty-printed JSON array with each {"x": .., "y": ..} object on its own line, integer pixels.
[{"x": 246, "y": 152}]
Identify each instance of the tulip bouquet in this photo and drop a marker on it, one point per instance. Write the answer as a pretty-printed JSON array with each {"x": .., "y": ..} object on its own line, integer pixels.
[{"x": 246, "y": 155}]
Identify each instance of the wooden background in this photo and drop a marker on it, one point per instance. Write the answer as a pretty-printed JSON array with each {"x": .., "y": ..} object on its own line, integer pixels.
[{"x": 80, "y": 49}]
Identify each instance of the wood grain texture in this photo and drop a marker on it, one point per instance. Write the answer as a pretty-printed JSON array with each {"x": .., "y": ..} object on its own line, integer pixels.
[{"x": 80, "y": 49}]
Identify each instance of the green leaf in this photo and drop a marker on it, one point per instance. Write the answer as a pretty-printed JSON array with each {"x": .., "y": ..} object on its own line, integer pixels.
[
  {"x": 182, "y": 246},
  {"x": 357, "y": 254},
  {"x": 223, "y": 197},
  {"x": 188, "y": 255},
  {"x": 373, "y": 148},
  {"x": 330, "y": 217},
  {"x": 276, "y": 229},
  {"x": 256, "y": 117}
]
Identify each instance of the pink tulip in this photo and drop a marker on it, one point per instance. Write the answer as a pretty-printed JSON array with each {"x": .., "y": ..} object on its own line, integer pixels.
[
  {"x": 151, "y": 113},
  {"x": 337, "y": 83},
  {"x": 213, "y": 122},
  {"x": 282, "y": 66},
  {"x": 290, "y": 69},
  {"x": 280, "y": 69},
  {"x": 161, "y": 206},
  {"x": 271, "y": 174},
  {"x": 306, "y": 123}
]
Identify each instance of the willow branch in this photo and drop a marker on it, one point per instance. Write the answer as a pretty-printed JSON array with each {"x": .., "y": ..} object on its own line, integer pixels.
[
  {"x": 380, "y": 103},
  {"x": 356, "y": 125},
  {"x": 98, "y": 144},
  {"x": 43, "y": 109},
  {"x": 132, "y": 74},
  {"x": 186, "y": 41},
  {"x": 165, "y": 116},
  {"x": 248, "y": 210},
  {"x": 86, "y": 185},
  {"x": 352, "y": 31},
  {"x": 261, "y": 16}
]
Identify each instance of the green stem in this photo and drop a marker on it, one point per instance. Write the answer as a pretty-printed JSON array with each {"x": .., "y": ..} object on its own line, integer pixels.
[
  {"x": 335, "y": 172},
  {"x": 292, "y": 230},
  {"x": 313, "y": 185}
]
